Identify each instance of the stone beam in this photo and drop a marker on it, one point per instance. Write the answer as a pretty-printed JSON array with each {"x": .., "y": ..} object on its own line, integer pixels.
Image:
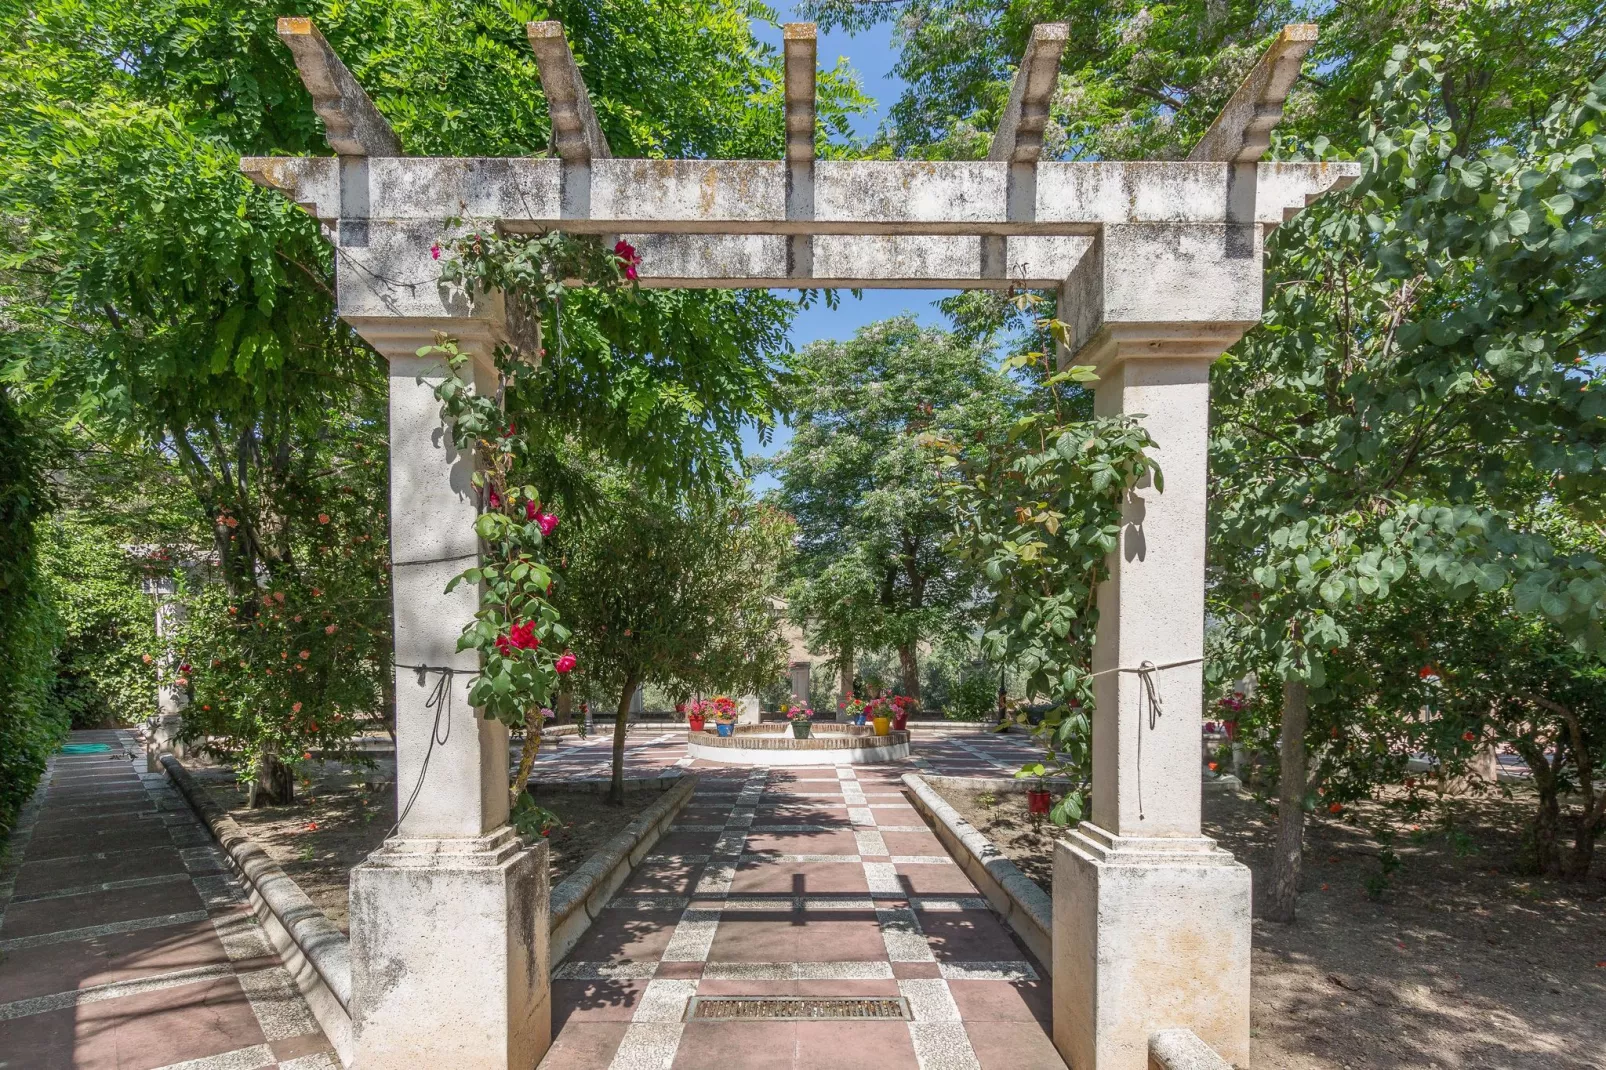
[
  {"x": 576, "y": 136},
  {"x": 1019, "y": 138},
  {"x": 1242, "y": 132},
  {"x": 750, "y": 196},
  {"x": 801, "y": 51},
  {"x": 352, "y": 125},
  {"x": 801, "y": 48}
]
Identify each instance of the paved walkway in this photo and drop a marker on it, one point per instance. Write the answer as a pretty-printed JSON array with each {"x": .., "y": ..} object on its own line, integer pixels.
[
  {"x": 802, "y": 882},
  {"x": 125, "y": 945}
]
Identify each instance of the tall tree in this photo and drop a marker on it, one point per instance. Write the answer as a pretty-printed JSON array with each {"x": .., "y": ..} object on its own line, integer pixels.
[
  {"x": 673, "y": 592},
  {"x": 859, "y": 481},
  {"x": 1420, "y": 393}
]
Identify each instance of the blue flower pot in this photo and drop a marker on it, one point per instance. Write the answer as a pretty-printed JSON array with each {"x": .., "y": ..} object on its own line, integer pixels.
[{"x": 724, "y": 729}]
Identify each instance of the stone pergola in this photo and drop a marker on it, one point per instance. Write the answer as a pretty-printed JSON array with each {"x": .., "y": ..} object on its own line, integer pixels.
[{"x": 1158, "y": 268}]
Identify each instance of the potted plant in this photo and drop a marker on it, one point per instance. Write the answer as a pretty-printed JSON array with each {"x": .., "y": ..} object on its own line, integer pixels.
[
  {"x": 902, "y": 704},
  {"x": 880, "y": 713},
  {"x": 694, "y": 712},
  {"x": 1231, "y": 706},
  {"x": 1039, "y": 800},
  {"x": 854, "y": 708},
  {"x": 801, "y": 718},
  {"x": 724, "y": 714}
]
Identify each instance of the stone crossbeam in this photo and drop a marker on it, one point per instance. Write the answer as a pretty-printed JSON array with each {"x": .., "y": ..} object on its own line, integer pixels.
[
  {"x": 576, "y": 136},
  {"x": 1019, "y": 138},
  {"x": 750, "y": 196},
  {"x": 352, "y": 125},
  {"x": 1242, "y": 132}
]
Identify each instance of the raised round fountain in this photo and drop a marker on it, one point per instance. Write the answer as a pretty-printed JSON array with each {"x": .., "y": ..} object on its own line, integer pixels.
[{"x": 828, "y": 743}]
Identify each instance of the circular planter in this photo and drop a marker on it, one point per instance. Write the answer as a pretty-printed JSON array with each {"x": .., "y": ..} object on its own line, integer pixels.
[{"x": 825, "y": 747}]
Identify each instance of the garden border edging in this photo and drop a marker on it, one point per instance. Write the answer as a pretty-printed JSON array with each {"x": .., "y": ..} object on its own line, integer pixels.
[
  {"x": 314, "y": 951},
  {"x": 1027, "y": 908},
  {"x": 583, "y": 894}
]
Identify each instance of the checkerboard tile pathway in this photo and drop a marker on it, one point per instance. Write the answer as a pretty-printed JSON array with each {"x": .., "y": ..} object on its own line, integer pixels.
[
  {"x": 801, "y": 882},
  {"x": 124, "y": 942}
]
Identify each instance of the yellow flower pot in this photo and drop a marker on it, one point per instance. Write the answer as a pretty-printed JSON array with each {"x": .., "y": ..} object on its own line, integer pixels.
[{"x": 882, "y": 725}]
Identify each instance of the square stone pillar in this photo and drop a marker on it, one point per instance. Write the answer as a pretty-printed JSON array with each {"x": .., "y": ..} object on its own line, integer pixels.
[
  {"x": 1151, "y": 919},
  {"x": 449, "y": 917}
]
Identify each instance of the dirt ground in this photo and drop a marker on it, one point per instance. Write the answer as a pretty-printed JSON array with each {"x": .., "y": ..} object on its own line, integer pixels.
[
  {"x": 1462, "y": 962},
  {"x": 344, "y": 814}
]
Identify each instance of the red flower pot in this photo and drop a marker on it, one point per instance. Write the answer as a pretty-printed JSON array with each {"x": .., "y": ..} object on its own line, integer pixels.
[
  {"x": 900, "y": 720},
  {"x": 694, "y": 721},
  {"x": 1232, "y": 729},
  {"x": 1039, "y": 802}
]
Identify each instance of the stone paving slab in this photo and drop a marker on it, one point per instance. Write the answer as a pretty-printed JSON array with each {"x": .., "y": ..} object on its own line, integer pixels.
[{"x": 123, "y": 943}]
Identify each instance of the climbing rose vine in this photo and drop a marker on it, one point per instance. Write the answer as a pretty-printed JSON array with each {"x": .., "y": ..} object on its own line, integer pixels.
[{"x": 517, "y": 632}]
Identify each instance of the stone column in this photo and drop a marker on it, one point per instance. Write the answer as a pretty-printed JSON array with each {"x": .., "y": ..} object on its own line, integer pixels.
[
  {"x": 449, "y": 917},
  {"x": 1151, "y": 919}
]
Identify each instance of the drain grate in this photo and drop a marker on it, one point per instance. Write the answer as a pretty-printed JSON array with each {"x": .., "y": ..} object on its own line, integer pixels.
[{"x": 795, "y": 1008}]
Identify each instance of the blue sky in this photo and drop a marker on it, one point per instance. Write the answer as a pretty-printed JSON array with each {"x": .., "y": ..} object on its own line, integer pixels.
[{"x": 870, "y": 53}]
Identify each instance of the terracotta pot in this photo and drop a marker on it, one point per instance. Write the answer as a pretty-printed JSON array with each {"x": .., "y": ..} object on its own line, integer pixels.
[
  {"x": 694, "y": 721},
  {"x": 724, "y": 729},
  {"x": 900, "y": 720},
  {"x": 882, "y": 725},
  {"x": 801, "y": 729},
  {"x": 1039, "y": 802}
]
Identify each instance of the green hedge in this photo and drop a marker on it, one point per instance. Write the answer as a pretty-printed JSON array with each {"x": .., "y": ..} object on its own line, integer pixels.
[{"x": 31, "y": 724}]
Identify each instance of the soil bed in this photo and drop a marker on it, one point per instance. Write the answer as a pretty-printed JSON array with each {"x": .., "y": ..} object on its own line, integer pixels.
[
  {"x": 344, "y": 814},
  {"x": 1462, "y": 962}
]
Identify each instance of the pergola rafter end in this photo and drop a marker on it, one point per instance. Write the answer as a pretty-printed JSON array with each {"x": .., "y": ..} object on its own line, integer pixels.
[
  {"x": 1242, "y": 132},
  {"x": 576, "y": 135},
  {"x": 1019, "y": 138},
  {"x": 352, "y": 125}
]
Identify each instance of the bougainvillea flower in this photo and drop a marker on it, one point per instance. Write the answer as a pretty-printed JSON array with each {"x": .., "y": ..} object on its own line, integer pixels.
[
  {"x": 565, "y": 663},
  {"x": 548, "y": 522},
  {"x": 531, "y": 510},
  {"x": 296, "y": 708},
  {"x": 434, "y": 252},
  {"x": 495, "y": 499}
]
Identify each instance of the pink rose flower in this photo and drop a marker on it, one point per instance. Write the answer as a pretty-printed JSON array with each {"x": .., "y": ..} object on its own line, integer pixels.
[{"x": 565, "y": 663}]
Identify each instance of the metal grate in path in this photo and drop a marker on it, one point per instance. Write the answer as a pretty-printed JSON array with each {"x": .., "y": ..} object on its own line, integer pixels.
[{"x": 796, "y": 1008}]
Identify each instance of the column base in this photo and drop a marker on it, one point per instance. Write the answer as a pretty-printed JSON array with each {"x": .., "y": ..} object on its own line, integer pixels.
[
  {"x": 449, "y": 954},
  {"x": 1149, "y": 934}
]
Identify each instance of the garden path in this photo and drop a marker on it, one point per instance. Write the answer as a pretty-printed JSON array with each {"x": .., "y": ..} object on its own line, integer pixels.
[
  {"x": 124, "y": 942},
  {"x": 802, "y": 882}
]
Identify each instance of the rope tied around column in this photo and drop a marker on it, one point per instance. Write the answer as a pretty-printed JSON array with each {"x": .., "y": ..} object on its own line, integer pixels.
[
  {"x": 1145, "y": 671},
  {"x": 440, "y": 700}
]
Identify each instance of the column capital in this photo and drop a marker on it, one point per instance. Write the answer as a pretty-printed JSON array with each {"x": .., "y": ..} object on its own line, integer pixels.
[
  {"x": 1113, "y": 343},
  {"x": 400, "y": 338}
]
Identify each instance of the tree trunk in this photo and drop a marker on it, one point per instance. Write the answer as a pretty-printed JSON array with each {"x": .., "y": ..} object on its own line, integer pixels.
[
  {"x": 1283, "y": 894},
  {"x": 1547, "y": 831},
  {"x": 275, "y": 784},
  {"x": 1583, "y": 853},
  {"x": 909, "y": 662},
  {"x": 616, "y": 790},
  {"x": 847, "y": 679}
]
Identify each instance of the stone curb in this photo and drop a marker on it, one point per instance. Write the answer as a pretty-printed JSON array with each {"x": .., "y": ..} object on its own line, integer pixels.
[
  {"x": 1181, "y": 1049},
  {"x": 583, "y": 894},
  {"x": 1026, "y": 907},
  {"x": 314, "y": 950},
  {"x": 1006, "y": 784}
]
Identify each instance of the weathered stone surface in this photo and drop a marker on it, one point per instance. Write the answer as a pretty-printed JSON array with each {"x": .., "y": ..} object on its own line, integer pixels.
[
  {"x": 449, "y": 954},
  {"x": 1242, "y": 132},
  {"x": 1149, "y": 935},
  {"x": 576, "y": 137},
  {"x": 352, "y": 125},
  {"x": 1180, "y": 1049}
]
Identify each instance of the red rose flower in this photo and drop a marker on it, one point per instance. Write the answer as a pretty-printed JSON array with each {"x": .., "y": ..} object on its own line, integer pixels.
[
  {"x": 548, "y": 522},
  {"x": 565, "y": 663}
]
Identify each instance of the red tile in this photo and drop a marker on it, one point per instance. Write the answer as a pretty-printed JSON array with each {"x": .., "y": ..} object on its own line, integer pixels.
[
  {"x": 1004, "y": 1001},
  {"x": 64, "y": 967},
  {"x": 823, "y": 937},
  {"x": 583, "y": 1045},
  {"x": 919, "y": 878},
  {"x": 1012, "y": 1046},
  {"x": 913, "y": 843},
  {"x": 595, "y": 1001},
  {"x": 57, "y": 874},
  {"x": 800, "y": 878},
  {"x": 626, "y": 934},
  {"x": 98, "y": 908},
  {"x": 854, "y": 1046},
  {"x": 748, "y": 1045},
  {"x": 967, "y": 936}
]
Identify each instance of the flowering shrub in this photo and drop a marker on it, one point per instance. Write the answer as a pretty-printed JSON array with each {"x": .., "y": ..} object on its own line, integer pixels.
[{"x": 798, "y": 712}]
